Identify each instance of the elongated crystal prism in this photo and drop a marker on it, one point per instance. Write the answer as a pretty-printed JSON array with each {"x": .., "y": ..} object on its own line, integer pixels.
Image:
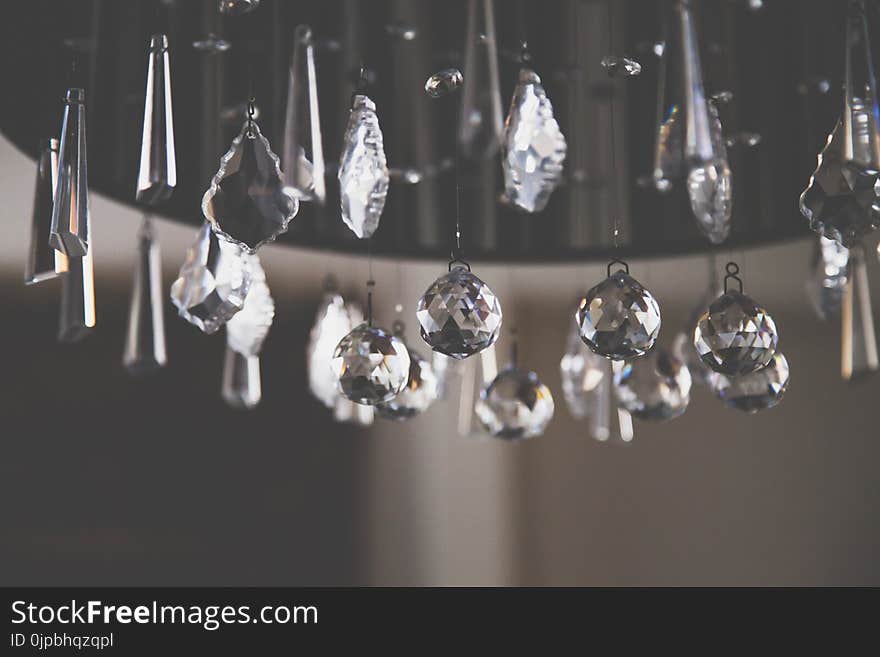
[
  {"x": 246, "y": 202},
  {"x": 70, "y": 211},
  {"x": 533, "y": 146},
  {"x": 602, "y": 426},
  {"x": 828, "y": 276},
  {"x": 157, "y": 176},
  {"x": 44, "y": 262},
  {"x": 77, "y": 317},
  {"x": 363, "y": 171},
  {"x": 241, "y": 386},
  {"x": 302, "y": 157},
  {"x": 581, "y": 372},
  {"x": 480, "y": 127},
  {"x": 669, "y": 145},
  {"x": 861, "y": 114},
  {"x": 859, "y": 340},
  {"x": 247, "y": 330},
  {"x": 145, "y": 337}
]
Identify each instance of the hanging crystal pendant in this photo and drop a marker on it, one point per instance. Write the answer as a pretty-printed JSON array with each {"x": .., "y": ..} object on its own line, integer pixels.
[
  {"x": 363, "y": 171},
  {"x": 371, "y": 365},
  {"x": 332, "y": 323},
  {"x": 246, "y": 202},
  {"x": 69, "y": 232},
  {"x": 77, "y": 316},
  {"x": 145, "y": 336},
  {"x": 157, "y": 176},
  {"x": 826, "y": 282},
  {"x": 241, "y": 387},
  {"x": 533, "y": 146},
  {"x": 458, "y": 314},
  {"x": 581, "y": 372},
  {"x": 420, "y": 392},
  {"x": 756, "y": 391},
  {"x": 247, "y": 329},
  {"x": 480, "y": 127},
  {"x": 656, "y": 387},
  {"x": 600, "y": 422},
  {"x": 44, "y": 262},
  {"x": 516, "y": 405},
  {"x": 841, "y": 199},
  {"x": 669, "y": 144},
  {"x": 303, "y": 154},
  {"x": 213, "y": 282},
  {"x": 859, "y": 341}
]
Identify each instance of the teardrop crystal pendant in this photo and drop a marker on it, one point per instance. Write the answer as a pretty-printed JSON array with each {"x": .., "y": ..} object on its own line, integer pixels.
[
  {"x": 145, "y": 337},
  {"x": 581, "y": 372},
  {"x": 70, "y": 211},
  {"x": 303, "y": 151},
  {"x": 241, "y": 387},
  {"x": 247, "y": 329},
  {"x": 157, "y": 176},
  {"x": 828, "y": 276},
  {"x": 213, "y": 282},
  {"x": 859, "y": 340},
  {"x": 533, "y": 146},
  {"x": 77, "y": 316},
  {"x": 247, "y": 203},
  {"x": 480, "y": 127},
  {"x": 363, "y": 171},
  {"x": 43, "y": 261}
]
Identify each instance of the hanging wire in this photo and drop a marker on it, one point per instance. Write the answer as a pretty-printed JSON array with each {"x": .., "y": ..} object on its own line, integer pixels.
[{"x": 615, "y": 207}]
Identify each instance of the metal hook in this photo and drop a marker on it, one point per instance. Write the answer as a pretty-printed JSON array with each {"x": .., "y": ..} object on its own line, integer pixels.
[
  {"x": 617, "y": 261},
  {"x": 457, "y": 259},
  {"x": 732, "y": 274}
]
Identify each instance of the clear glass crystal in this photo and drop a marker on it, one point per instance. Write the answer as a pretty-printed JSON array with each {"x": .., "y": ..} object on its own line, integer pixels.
[
  {"x": 710, "y": 187},
  {"x": 44, "y": 262},
  {"x": 420, "y": 392},
  {"x": 371, "y": 365},
  {"x": 618, "y": 318},
  {"x": 669, "y": 145},
  {"x": 213, "y": 282},
  {"x": 237, "y": 7},
  {"x": 656, "y": 387},
  {"x": 515, "y": 405},
  {"x": 246, "y": 202},
  {"x": 69, "y": 232},
  {"x": 157, "y": 176},
  {"x": 446, "y": 370},
  {"x": 363, "y": 171},
  {"x": 241, "y": 387},
  {"x": 756, "y": 391},
  {"x": 303, "y": 154},
  {"x": 621, "y": 66},
  {"x": 479, "y": 130},
  {"x": 459, "y": 315},
  {"x": 581, "y": 372},
  {"x": 601, "y": 426},
  {"x": 828, "y": 276},
  {"x": 683, "y": 346},
  {"x": 859, "y": 340},
  {"x": 247, "y": 329},
  {"x": 145, "y": 335},
  {"x": 444, "y": 82},
  {"x": 533, "y": 146},
  {"x": 332, "y": 323},
  {"x": 735, "y": 336},
  {"x": 77, "y": 316},
  {"x": 861, "y": 114}
]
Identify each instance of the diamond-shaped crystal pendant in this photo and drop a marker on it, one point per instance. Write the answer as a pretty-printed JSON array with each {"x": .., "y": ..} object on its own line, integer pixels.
[
  {"x": 757, "y": 391},
  {"x": 480, "y": 127},
  {"x": 618, "y": 318},
  {"x": 422, "y": 389},
  {"x": 371, "y": 365},
  {"x": 69, "y": 232},
  {"x": 859, "y": 340},
  {"x": 363, "y": 171},
  {"x": 533, "y": 148},
  {"x": 246, "y": 202},
  {"x": 515, "y": 405},
  {"x": 828, "y": 276},
  {"x": 77, "y": 317},
  {"x": 459, "y": 315},
  {"x": 841, "y": 200},
  {"x": 656, "y": 387},
  {"x": 43, "y": 261},
  {"x": 157, "y": 175},
  {"x": 241, "y": 386},
  {"x": 213, "y": 282},
  {"x": 145, "y": 335},
  {"x": 247, "y": 329},
  {"x": 581, "y": 372},
  {"x": 302, "y": 157}
]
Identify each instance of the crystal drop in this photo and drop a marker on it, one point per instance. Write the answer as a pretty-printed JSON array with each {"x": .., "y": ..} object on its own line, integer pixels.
[
  {"x": 859, "y": 341},
  {"x": 735, "y": 336},
  {"x": 443, "y": 83},
  {"x": 363, "y": 171},
  {"x": 420, "y": 392},
  {"x": 459, "y": 315},
  {"x": 241, "y": 386},
  {"x": 303, "y": 154},
  {"x": 581, "y": 372},
  {"x": 533, "y": 146},
  {"x": 371, "y": 365},
  {"x": 621, "y": 66},
  {"x": 332, "y": 323},
  {"x": 826, "y": 282},
  {"x": 756, "y": 391},
  {"x": 247, "y": 330},
  {"x": 669, "y": 144},
  {"x": 157, "y": 176},
  {"x": 479, "y": 131},
  {"x": 237, "y": 7},
  {"x": 213, "y": 282},
  {"x": 246, "y": 202},
  {"x": 515, "y": 405},
  {"x": 70, "y": 210},
  {"x": 145, "y": 336},
  {"x": 619, "y": 318},
  {"x": 77, "y": 316},
  {"x": 656, "y": 387},
  {"x": 43, "y": 261},
  {"x": 710, "y": 188}
]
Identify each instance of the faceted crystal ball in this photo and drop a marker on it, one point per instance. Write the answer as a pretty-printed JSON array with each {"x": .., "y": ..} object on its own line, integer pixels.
[
  {"x": 618, "y": 318},
  {"x": 735, "y": 336},
  {"x": 515, "y": 405},
  {"x": 371, "y": 365},
  {"x": 421, "y": 390},
  {"x": 459, "y": 315},
  {"x": 656, "y": 387},
  {"x": 756, "y": 391}
]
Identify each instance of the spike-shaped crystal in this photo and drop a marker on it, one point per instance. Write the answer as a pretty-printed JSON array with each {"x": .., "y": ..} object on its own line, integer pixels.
[
  {"x": 241, "y": 380},
  {"x": 44, "y": 262},
  {"x": 247, "y": 330},
  {"x": 247, "y": 203},
  {"x": 157, "y": 176},
  {"x": 363, "y": 171},
  {"x": 145, "y": 337},
  {"x": 859, "y": 340},
  {"x": 600, "y": 425},
  {"x": 480, "y": 127},
  {"x": 77, "y": 316},
  {"x": 70, "y": 211},
  {"x": 669, "y": 145},
  {"x": 533, "y": 146},
  {"x": 303, "y": 152}
]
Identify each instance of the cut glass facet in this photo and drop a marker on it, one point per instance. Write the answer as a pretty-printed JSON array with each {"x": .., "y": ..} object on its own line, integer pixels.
[
  {"x": 656, "y": 387},
  {"x": 371, "y": 365},
  {"x": 70, "y": 211},
  {"x": 756, "y": 391},
  {"x": 157, "y": 176},
  {"x": 479, "y": 130},
  {"x": 247, "y": 329},
  {"x": 43, "y": 261},
  {"x": 145, "y": 336},
  {"x": 515, "y": 405}
]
